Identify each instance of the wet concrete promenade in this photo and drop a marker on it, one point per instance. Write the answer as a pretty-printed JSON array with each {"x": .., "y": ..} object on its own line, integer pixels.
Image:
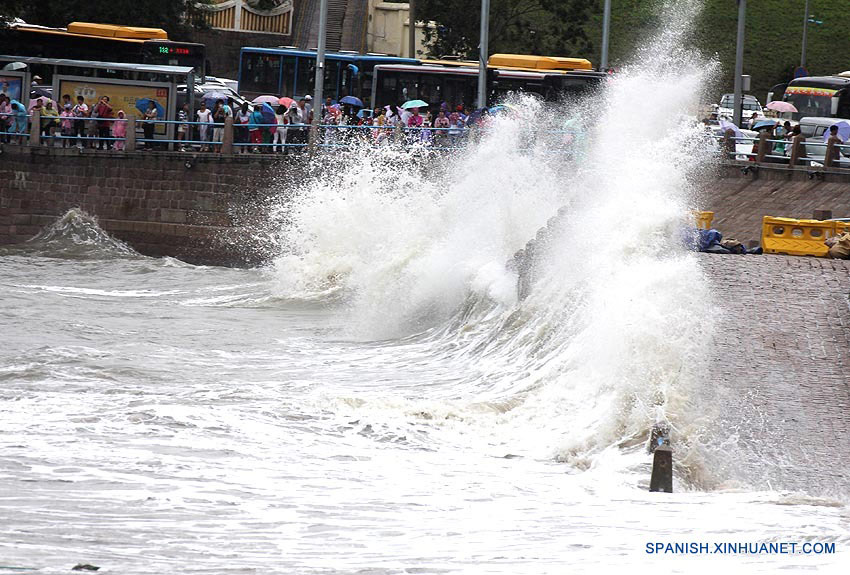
[{"x": 782, "y": 366}]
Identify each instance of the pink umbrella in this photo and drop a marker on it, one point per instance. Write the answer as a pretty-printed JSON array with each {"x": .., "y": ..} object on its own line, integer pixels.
[
  {"x": 780, "y": 106},
  {"x": 285, "y": 102},
  {"x": 41, "y": 99},
  {"x": 272, "y": 100}
]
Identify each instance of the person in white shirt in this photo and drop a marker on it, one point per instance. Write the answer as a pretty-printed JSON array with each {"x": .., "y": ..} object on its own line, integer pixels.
[
  {"x": 204, "y": 116},
  {"x": 280, "y": 131}
]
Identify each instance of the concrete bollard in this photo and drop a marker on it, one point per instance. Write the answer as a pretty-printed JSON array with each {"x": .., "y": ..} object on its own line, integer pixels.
[
  {"x": 830, "y": 150},
  {"x": 729, "y": 143},
  {"x": 764, "y": 146},
  {"x": 130, "y": 139},
  {"x": 822, "y": 215},
  {"x": 662, "y": 470},
  {"x": 35, "y": 128},
  {"x": 797, "y": 150},
  {"x": 227, "y": 137},
  {"x": 662, "y": 461}
]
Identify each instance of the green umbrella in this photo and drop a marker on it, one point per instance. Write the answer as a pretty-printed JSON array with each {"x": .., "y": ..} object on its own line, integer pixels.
[{"x": 414, "y": 104}]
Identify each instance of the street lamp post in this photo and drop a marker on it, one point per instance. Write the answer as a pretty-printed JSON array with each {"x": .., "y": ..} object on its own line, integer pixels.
[
  {"x": 318, "y": 96},
  {"x": 606, "y": 29},
  {"x": 805, "y": 33},
  {"x": 739, "y": 62},
  {"x": 411, "y": 38},
  {"x": 483, "y": 53}
]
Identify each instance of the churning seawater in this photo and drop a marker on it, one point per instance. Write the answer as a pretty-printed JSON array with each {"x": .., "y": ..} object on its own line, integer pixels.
[{"x": 379, "y": 400}]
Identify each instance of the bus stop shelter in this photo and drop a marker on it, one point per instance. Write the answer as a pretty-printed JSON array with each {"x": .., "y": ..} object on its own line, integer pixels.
[{"x": 130, "y": 87}]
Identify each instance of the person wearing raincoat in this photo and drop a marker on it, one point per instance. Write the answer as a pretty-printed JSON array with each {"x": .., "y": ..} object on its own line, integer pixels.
[
  {"x": 19, "y": 120},
  {"x": 256, "y": 129},
  {"x": 119, "y": 131},
  {"x": 49, "y": 120}
]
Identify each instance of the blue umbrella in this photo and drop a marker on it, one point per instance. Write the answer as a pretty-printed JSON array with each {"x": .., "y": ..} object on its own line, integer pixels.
[
  {"x": 268, "y": 113},
  {"x": 211, "y": 97},
  {"x": 143, "y": 103},
  {"x": 764, "y": 124},
  {"x": 351, "y": 101},
  {"x": 843, "y": 131}
]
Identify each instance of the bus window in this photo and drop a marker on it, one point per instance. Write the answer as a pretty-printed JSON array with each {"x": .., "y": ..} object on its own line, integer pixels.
[
  {"x": 386, "y": 90},
  {"x": 461, "y": 90},
  {"x": 305, "y": 76},
  {"x": 408, "y": 87},
  {"x": 287, "y": 76},
  {"x": 331, "y": 79},
  {"x": 430, "y": 89},
  {"x": 260, "y": 73}
]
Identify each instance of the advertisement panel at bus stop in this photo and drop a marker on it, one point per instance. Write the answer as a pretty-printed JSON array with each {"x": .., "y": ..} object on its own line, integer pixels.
[
  {"x": 11, "y": 86},
  {"x": 133, "y": 99}
]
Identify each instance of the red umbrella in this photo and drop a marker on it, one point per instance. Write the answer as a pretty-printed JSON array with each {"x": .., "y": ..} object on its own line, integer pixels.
[{"x": 286, "y": 102}]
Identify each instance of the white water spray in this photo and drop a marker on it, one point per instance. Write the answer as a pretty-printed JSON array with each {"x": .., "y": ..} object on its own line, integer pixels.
[{"x": 615, "y": 332}]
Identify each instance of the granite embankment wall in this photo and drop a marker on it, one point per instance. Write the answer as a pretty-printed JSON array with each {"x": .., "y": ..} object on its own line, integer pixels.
[
  {"x": 739, "y": 200},
  {"x": 211, "y": 209},
  {"x": 199, "y": 208}
]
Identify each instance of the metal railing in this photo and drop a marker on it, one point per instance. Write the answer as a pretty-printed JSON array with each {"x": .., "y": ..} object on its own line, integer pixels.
[
  {"x": 224, "y": 137},
  {"x": 795, "y": 151}
]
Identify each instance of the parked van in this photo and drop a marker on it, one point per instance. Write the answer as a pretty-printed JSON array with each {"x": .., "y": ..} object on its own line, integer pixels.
[{"x": 814, "y": 128}]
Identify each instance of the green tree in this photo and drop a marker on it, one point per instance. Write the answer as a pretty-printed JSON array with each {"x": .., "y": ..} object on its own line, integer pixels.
[{"x": 551, "y": 27}]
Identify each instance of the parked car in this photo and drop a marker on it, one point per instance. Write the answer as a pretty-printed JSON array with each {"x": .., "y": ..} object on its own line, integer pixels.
[
  {"x": 750, "y": 105},
  {"x": 201, "y": 89}
]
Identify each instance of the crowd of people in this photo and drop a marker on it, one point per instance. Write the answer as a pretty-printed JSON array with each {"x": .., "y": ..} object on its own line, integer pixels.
[
  {"x": 258, "y": 127},
  {"x": 285, "y": 126}
]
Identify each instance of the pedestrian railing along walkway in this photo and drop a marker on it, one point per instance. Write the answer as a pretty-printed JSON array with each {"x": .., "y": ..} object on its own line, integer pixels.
[
  {"x": 798, "y": 151},
  {"x": 131, "y": 134}
]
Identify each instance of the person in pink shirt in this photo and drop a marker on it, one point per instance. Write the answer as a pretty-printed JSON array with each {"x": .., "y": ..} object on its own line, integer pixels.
[
  {"x": 5, "y": 118},
  {"x": 66, "y": 124},
  {"x": 415, "y": 120},
  {"x": 119, "y": 130}
]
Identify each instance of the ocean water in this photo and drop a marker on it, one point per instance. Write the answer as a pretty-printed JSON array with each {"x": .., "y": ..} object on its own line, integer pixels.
[{"x": 378, "y": 400}]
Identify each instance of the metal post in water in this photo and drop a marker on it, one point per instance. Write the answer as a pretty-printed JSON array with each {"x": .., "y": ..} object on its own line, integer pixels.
[
  {"x": 318, "y": 96},
  {"x": 805, "y": 33},
  {"x": 606, "y": 29},
  {"x": 662, "y": 459},
  {"x": 411, "y": 39},
  {"x": 483, "y": 53},
  {"x": 739, "y": 62}
]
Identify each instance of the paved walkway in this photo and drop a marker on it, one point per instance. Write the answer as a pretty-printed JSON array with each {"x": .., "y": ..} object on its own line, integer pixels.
[{"x": 782, "y": 365}]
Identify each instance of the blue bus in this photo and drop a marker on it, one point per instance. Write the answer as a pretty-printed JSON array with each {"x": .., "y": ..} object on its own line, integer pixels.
[{"x": 291, "y": 72}]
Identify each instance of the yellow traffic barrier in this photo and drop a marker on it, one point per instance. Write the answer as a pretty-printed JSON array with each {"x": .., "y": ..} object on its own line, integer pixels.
[
  {"x": 703, "y": 219},
  {"x": 841, "y": 227},
  {"x": 795, "y": 237}
]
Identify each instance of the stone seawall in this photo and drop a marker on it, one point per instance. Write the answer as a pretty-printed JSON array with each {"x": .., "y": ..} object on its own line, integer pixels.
[
  {"x": 739, "y": 200},
  {"x": 199, "y": 208},
  {"x": 211, "y": 209}
]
